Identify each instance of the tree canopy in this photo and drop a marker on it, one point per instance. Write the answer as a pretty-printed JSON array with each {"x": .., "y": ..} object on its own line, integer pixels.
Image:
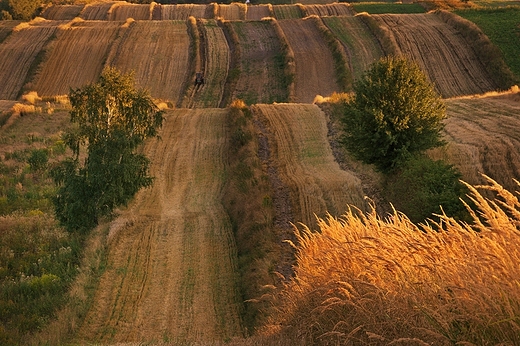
[
  {"x": 112, "y": 118},
  {"x": 395, "y": 112}
]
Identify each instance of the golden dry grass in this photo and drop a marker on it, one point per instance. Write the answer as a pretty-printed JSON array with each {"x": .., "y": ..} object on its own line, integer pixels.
[{"x": 363, "y": 279}]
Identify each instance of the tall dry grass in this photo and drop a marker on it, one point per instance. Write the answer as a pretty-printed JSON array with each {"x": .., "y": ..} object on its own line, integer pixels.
[{"x": 367, "y": 280}]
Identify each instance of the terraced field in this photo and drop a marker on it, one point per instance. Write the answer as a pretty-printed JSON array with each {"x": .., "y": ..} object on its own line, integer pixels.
[
  {"x": 77, "y": 56},
  {"x": 442, "y": 53},
  {"x": 314, "y": 64},
  {"x": 171, "y": 271},
  {"x": 172, "y": 274},
  {"x": 157, "y": 51}
]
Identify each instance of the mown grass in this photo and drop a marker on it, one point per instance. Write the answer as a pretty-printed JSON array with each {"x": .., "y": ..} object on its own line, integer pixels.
[
  {"x": 380, "y": 8},
  {"x": 502, "y": 27},
  {"x": 366, "y": 280}
]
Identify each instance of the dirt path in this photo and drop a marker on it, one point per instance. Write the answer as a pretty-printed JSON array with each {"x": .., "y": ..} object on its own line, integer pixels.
[
  {"x": 443, "y": 54},
  {"x": 261, "y": 76},
  {"x": 314, "y": 64},
  {"x": 171, "y": 273},
  {"x": 305, "y": 162}
]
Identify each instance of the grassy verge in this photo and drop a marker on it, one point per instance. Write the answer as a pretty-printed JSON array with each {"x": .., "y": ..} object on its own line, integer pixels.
[
  {"x": 502, "y": 28},
  {"x": 248, "y": 202},
  {"x": 380, "y": 8}
]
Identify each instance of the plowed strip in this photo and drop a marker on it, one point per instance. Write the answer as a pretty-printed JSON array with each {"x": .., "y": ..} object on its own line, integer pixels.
[
  {"x": 216, "y": 68},
  {"x": 98, "y": 11},
  {"x": 77, "y": 57},
  {"x": 16, "y": 58},
  {"x": 182, "y": 12},
  {"x": 361, "y": 46},
  {"x": 306, "y": 163},
  {"x": 172, "y": 260},
  {"x": 62, "y": 12},
  {"x": 120, "y": 12},
  {"x": 443, "y": 54},
  {"x": 336, "y": 9},
  {"x": 483, "y": 137},
  {"x": 158, "y": 53},
  {"x": 261, "y": 73},
  {"x": 314, "y": 64},
  {"x": 257, "y": 12}
]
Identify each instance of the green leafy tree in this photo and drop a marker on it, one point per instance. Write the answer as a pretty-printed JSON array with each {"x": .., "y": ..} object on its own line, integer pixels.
[
  {"x": 113, "y": 119},
  {"x": 23, "y": 9},
  {"x": 395, "y": 112},
  {"x": 421, "y": 186}
]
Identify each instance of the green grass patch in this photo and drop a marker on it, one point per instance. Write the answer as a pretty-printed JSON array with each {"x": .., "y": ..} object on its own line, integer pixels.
[
  {"x": 496, "y": 3},
  {"x": 502, "y": 26},
  {"x": 383, "y": 7}
]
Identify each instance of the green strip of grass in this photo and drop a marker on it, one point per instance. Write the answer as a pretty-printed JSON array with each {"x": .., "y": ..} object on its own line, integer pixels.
[
  {"x": 502, "y": 26},
  {"x": 380, "y": 8}
]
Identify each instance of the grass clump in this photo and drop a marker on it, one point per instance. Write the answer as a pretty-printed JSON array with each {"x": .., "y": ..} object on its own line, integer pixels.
[{"x": 366, "y": 280}]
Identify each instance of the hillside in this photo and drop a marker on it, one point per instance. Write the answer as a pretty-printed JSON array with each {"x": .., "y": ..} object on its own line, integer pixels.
[{"x": 174, "y": 271}]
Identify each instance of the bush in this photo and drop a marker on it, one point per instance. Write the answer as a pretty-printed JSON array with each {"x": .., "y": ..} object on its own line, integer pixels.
[
  {"x": 394, "y": 113},
  {"x": 422, "y": 185}
]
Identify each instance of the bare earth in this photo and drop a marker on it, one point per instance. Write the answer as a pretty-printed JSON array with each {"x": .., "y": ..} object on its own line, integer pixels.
[
  {"x": 314, "y": 65},
  {"x": 443, "y": 54},
  {"x": 171, "y": 271}
]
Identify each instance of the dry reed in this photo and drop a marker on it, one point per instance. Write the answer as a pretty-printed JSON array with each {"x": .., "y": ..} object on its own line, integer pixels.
[{"x": 364, "y": 279}]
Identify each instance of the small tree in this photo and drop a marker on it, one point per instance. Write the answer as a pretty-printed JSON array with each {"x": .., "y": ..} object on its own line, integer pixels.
[
  {"x": 395, "y": 112},
  {"x": 113, "y": 119}
]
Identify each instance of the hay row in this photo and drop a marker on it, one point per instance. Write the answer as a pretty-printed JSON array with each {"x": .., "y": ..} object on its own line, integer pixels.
[
  {"x": 234, "y": 11},
  {"x": 257, "y": 12},
  {"x": 98, "y": 11},
  {"x": 62, "y": 12},
  {"x": 182, "y": 12},
  {"x": 288, "y": 60},
  {"x": 288, "y": 11},
  {"x": 382, "y": 34},
  {"x": 336, "y": 9},
  {"x": 122, "y": 11}
]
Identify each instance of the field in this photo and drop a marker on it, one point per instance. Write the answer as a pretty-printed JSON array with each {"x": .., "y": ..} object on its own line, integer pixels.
[
  {"x": 157, "y": 51},
  {"x": 313, "y": 59},
  {"x": 171, "y": 273},
  {"x": 76, "y": 57},
  {"x": 261, "y": 76},
  {"x": 193, "y": 259}
]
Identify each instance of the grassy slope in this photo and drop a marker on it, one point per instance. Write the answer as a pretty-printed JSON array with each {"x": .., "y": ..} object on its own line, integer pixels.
[{"x": 502, "y": 27}]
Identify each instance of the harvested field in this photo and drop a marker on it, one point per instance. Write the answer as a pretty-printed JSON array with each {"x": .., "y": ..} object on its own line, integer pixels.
[
  {"x": 158, "y": 53},
  {"x": 257, "y": 12},
  {"x": 77, "y": 56},
  {"x": 171, "y": 271},
  {"x": 336, "y": 9},
  {"x": 305, "y": 162},
  {"x": 62, "y": 12},
  {"x": 96, "y": 11},
  {"x": 482, "y": 135},
  {"x": 360, "y": 44},
  {"x": 182, "y": 12},
  {"x": 6, "y": 28},
  {"x": 287, "y": 11},
  {"x": 18, "y": 59},
  {"x": 443, "y": 54},
  {"x": 123, "y": 11},
  {"x": 314, "y": 64},
  {"x": 234, "y": 11},
  {"x": 261, "y": 77},
  {"x": 216, "y": 62}
]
